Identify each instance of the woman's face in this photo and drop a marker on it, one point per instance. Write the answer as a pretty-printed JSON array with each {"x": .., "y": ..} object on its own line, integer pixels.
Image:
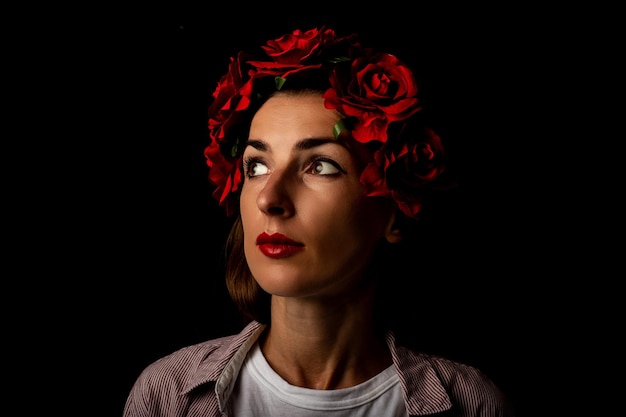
[{"x": 308, "y": 228}]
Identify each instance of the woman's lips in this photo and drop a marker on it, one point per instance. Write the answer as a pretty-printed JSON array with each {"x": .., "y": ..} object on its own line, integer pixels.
[{"x": 277, "y": 245}]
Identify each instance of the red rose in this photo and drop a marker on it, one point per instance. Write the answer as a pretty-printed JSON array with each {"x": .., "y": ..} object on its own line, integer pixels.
[
  {"x": 298, "y": 51},
  {"x": 296, "y": 47},
  {"x": 400, "y": 171},
  {"x": 232, "y": 96},
  {"x": 380, "y": 90},
  {"x": 224, "y": 173},
  {"x": 233, "y": 93}
]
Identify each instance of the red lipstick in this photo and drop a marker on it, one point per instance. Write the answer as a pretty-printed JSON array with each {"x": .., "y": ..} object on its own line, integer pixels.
[{"x": 277, "y": 245}]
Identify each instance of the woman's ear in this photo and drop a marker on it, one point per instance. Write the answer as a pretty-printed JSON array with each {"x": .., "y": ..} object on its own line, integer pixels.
[{"x": 393, "y": 234}]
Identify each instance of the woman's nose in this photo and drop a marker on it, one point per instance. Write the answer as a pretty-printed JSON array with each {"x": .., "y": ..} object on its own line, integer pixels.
[{"x": 275, "y": 198}]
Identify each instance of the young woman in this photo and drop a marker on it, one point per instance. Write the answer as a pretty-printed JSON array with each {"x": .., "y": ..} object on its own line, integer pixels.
[{"x": 319, "y": 150}]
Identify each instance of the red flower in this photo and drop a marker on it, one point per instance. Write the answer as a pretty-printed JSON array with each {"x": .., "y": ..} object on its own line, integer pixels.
[
  {"x": 289, "y": 53},
  {"x": 380, "y": 90},
  {"x": 375, "y": 92},
  {"x": 298, "y": 51},
  {"x": 224, "y": 173},
  {"x": 233, "y": 93},
  {"x": 296, "y": 47},
  {"x": 400, "y": 171}
]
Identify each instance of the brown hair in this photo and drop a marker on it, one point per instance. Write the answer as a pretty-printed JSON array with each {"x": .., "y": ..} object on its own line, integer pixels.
[{"x": 249, "y": 297}]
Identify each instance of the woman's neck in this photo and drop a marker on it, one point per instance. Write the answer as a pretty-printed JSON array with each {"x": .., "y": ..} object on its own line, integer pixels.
[{"x": 323, "y": 347}]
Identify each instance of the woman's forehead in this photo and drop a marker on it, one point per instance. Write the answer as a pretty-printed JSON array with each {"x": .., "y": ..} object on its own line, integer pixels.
[{"x": 294, "y": 115}]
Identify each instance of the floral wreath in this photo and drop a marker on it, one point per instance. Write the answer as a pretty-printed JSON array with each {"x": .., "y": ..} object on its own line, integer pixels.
[{"x": 375, "y": 92}]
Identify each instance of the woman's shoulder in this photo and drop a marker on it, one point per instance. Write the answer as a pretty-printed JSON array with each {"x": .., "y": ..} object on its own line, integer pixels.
[
  {"x": 447, "y": 370},
  {"x": 187, "y": 359},
  {"x": 200, "y": 361},
  {"x": 453, "y": 381}
]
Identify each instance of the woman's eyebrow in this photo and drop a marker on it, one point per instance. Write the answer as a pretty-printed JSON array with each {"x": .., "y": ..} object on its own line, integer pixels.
[
  {"x": 257, "y": 144},
  {"x": 309, "y": 143},
  {"x": 301, "y": 145}
]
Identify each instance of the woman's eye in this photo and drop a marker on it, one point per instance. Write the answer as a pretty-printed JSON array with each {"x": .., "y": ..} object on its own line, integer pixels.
[
  {"x": 323, "y": 168},
  {"x": 256, "y": 168}
]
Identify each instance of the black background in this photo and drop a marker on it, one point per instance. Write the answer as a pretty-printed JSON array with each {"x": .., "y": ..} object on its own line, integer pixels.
[{"x": 135, "y": 237}]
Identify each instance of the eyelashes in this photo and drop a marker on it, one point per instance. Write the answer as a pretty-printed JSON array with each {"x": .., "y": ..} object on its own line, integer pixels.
[
  {"x": 317, "y": 165},
  {"x": 252, "y": 165}
]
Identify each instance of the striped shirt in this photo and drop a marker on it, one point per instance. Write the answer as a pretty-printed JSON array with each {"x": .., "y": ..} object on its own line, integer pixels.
[{"x": 197, "y": 381}]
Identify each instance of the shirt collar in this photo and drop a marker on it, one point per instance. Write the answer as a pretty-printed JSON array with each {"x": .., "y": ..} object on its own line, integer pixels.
[{"x": 422, "y": 388}]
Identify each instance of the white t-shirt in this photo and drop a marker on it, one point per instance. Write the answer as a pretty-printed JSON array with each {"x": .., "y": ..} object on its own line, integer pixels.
[{"x": 261, "y": 392}]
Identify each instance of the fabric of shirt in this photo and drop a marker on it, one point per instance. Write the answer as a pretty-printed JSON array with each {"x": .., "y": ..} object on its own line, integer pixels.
[
  {"x": 261, "y": 392},
  {"x": 198, "y": 381}
]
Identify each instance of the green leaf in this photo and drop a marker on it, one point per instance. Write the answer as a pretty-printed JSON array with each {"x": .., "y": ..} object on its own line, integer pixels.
[
  {"x": 235, "y": 148},
  {"x": 339, "y": 59},
  {"x": 338, "y": 128},
  {"x": 280, "y": 81}
]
